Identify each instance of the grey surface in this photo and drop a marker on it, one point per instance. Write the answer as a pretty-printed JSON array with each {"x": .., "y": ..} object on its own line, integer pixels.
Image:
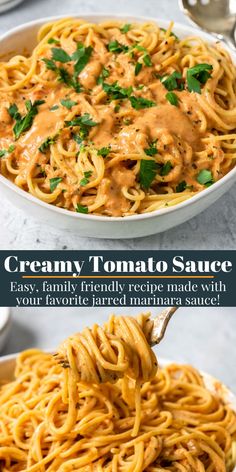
[
  {"x": 204, "y": 337},
  {"x": 213, "y": 229}
]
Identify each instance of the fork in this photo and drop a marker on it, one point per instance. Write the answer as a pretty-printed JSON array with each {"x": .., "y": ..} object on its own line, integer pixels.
[{"x": 217, "y": 17}]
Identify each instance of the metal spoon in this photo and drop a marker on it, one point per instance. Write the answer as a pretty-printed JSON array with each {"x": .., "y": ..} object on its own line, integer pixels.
[
  {"x": 217, "y": 17},
  {"x": 159, "y": 325}
]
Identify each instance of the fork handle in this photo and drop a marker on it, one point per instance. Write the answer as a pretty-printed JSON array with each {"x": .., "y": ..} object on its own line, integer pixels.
[
  {"x": 160, "y": 324},
  {"x": 227, "y": 38}
]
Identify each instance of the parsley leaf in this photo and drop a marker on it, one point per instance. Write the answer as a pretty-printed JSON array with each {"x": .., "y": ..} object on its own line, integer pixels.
[
  {"x": 58, "y": 54},
  {"x": 166, "y": 168},
  {"x": 104, "y": 74},
  {"x": 54, "y": 107},
  {"x": 81, "y": 208},
  {"x": 138, "y": 67},
  {"x": 125, "y": 28},
  {"x": 84, "y": 122},
  {"x": 139, "y": 102},
  {"x": 115, "y": 92},
  {"x": 173, "y": 81},
  {"x": 54, "y": 183},
  {"x": 116, "y": 47},
  {"x": 181, "y": 186},
  {"x": 104, "y": 151},
  {"x": 11, "y": 148},
  {"x": 3, "y": 152},
  {"x": 24, "y": 123},
  {"x": 147, "y": 173},
  {"x": 68, "y": 103},
  {"x": 14, "y": 112},
  {"x": 171, "y": 34},
  {"x": 205, "y": 177},
  {"x": 47, "y": 143},
  {"x": 152, "y": 150},
  {"x": 85, "y": 179},
  {"x": 53, "y": 41},
  {"x": 81, "y": 56},
  {"x": 172, "y": 98},
  {"x": 147, "y": 60},
  {"x": 197, "y": 76}
]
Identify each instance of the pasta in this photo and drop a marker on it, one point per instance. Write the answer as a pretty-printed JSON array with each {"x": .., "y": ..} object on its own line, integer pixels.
[
  {"x": 117, "y": 119},
  {"x": 54, "y": 418}
]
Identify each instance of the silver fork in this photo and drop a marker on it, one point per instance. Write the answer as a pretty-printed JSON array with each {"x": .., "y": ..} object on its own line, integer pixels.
[{"x": 217, "y": 17}]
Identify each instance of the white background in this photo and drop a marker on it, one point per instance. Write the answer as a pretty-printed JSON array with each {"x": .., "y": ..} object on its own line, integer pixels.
[{"x": 204, "y": 337}]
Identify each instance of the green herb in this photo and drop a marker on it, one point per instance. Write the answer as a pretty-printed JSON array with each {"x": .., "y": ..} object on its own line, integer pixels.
[
  {"x": 50, "y": 64},
  {"x": 197, "y": 76},
  {"x": 63, "y": 75},
  {"x": 205, "y": 177},
  {"x": 117, "y": 108},
  {"x": 85, "y": 179},
  {"x": 152, "y": 150},
  {"x": 84, "y": 122},
  {"x": 54, "y": 183},
  {"x": 125, "y": 28},
  {"x": 173, "y": 81},
  {"x": 139, "y": 102},
  {"x": 147, "y": 173},
  {"x": 3, "y": 152},
  {"x": 172, "y": 98},
  {"x": 14, "y": 112},
  {"x": 166, "y": 168},
  {"x": 104, "y": 74},
  {"x": 138, "y": 67},
  {"x": 104, "y": 151},
  {"x": 181, "y": 186},
  {"x": 11, "y": 148},
  {"x": 68, "y": 103},
  {"x": 24, "y": 123},
  {"x": 81, "y": 56},
  {"x": 147, "y": 60},
  {"x": 47, "y": 143},
  {"x": 81, "y": 208},
  {"x": 171, "y": 34},
  {"x": 55, "y": 107},
  {"x": 115, "y": 92},
  {"x": 53, "y": 41},
  {"x": 59, "y": 55},
  {"x": 116, "y": 47}
]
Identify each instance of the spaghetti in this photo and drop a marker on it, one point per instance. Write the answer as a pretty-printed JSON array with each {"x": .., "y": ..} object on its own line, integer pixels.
[
  {"x": 52, "y": 420},
  {"x": 117, "y": 119}
]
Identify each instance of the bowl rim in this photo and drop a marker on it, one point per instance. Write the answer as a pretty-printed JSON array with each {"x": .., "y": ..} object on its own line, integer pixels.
[{"x": 230, "y": 176}]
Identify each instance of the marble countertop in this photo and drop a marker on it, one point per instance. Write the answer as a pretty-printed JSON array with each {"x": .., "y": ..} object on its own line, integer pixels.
[{"x": 19, "y": 231}]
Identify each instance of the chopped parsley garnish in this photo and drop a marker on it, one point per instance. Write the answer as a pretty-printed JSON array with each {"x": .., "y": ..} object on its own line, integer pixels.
[
  {"x": 173, "y": 81},
  {"x": 152, "y": 150},
  {"x": 53, "y": 41},
  {"x": 54, "y": 183},
  {"x": 4, "y": 152},
  {"x": 50, "y": 64},
  {"x": 81, "y": 56},
  {"x": 146, "y": 57},
  {"x": 147, "y": 60},
  {"x": 23, "y": 123},
  {"x": 55, "y": 107},
  {"x": 11, "y": 148},
  {"x": 47, "y": 143},
  {"x": 104, "y": 151},
  {"x": 138, "y": 67},
  {"x": 171, "y": 34},
  {"x": 181, "y": 186},
  {"x": 115, "y": 92},
  {"x": 147, "y": 173},
  {"x": 197, "y": 76},
  {"x": 68, "y": 103},
  {"x": 81, "y": 208},
  {"x": 59, "y": 55},
  {"x": 172, "y": 98},
  {"x": 85, "y": 179},
  {"x": 63, "y": 75},
  {"x": 166, "y": 168},
  {"x": 139, "y": 102},
  {"x": 125, "y": 28},
  {"x": 116, "y": 47},
  {"x": 205, "y": 177},
  {"x": 84, "y": 122},
  {"x": 104, "y": 74}
]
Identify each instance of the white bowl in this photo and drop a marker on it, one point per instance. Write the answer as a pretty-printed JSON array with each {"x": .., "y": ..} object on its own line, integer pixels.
[
  {"x": 7, "y": 366},
  {"x": 23, "y": 38},
  {"x": 5, "y": 325}
]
